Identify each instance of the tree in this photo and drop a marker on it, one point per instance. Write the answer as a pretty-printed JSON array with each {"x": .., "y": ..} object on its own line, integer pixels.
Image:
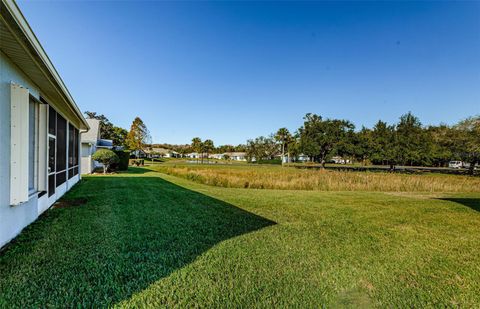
[
  {"x": 293, "y": 147},
  {"x": 363, "y": 145},
  {"x": 383, "y": 144},
  {"x": 207, "y": 147},
  {"x": 240, "y": 148},
  {"x": 261, "y": 148},
  {"x": 106, "y": 127},
  {"x": 320, "y": 139},
  {"x": 270, "y": 147},
  {"x": 347, "y": 144},
  {"x": 106, "y": 157},
  {"x": 138, "y": 136},
  {"x": 469, "y": 141},
  {"x": 119, "y": 136},
  {"x": 410, "y": 140},
  {"x": 251, "y": 150},
  {"x": 283, "y": 136},
  {"x": 108, "y": 130},
  {"x": 442, "y": 144},
  {"x": 197, "y": 146},
  {"x": 255, "y": 149},
  {"x": 225, "y": 148}
]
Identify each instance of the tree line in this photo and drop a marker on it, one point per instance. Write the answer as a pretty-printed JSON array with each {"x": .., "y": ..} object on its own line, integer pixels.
[
  {"x": 199, "y": 146},
  {"x": 138, "y": 138},
  {"x": 406, "y": 142}
]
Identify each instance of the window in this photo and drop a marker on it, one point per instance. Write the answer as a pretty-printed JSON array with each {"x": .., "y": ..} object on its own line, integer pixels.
[
  {"x": 61, "y": 162},
  {"x": 71, "y": 142},
  {"x": 63, "y": 150},
  {"x": 51, "y": 185},
  {"x": 32, "y": 145},
  {"x": 72, "y": 151},
  {"x": 52, "y": 149},
  {"x": 52, "y": 121},
  {"x": 51, "y": 155}
]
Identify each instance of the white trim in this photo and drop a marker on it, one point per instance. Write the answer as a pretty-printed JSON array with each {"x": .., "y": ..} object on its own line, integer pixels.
[
  {"x": 61, "y": 190},
  {"x": 43, "y": 204},
  {"x": 43, "y": 147}
]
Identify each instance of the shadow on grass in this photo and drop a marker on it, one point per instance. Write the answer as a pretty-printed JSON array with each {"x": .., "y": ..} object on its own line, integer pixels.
[
  {"x": 473, "y": 203},
  {"x": 133, "y": 231}
]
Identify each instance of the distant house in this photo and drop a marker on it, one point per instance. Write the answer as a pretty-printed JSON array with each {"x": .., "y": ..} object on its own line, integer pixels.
[
  {"x": 193, "y": 155},
  {"x": 339, "y": 160},
  {"x": 91, "y": 141},
  {"x": 303, "y": 158},
  {"x": 218, "y": 156},
  {"x": 141, "y": 154},
  {"x": 40, "y": 127},
  {"x": 156, "y": 152},
  {"x": 236, "y": 156}
]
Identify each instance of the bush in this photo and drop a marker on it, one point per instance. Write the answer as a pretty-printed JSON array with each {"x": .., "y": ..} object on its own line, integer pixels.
[
  {"x": 123, "y": 157},
  {"x": 106, "y": 157}
]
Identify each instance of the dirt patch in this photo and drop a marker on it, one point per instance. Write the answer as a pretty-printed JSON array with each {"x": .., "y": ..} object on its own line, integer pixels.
[
  {"x": 353, "y": 298},
  {"x": 70, "y": 203}
]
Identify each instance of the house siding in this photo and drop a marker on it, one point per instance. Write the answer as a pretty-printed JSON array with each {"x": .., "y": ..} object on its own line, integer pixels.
[
  {"x": 14, "y": 218},
  {"x": 86, "y": 158}
]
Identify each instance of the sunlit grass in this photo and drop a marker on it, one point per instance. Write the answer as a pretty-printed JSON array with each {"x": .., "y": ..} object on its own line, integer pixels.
[{"x": 146, "y": 239}]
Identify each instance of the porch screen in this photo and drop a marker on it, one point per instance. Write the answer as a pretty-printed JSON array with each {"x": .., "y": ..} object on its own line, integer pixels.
[
  {"x": 72, "y": 151},
  {"x": 61, "y": 164}
]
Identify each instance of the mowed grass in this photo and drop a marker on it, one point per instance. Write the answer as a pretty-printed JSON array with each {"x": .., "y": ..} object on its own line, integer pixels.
[
  {"x": 145, "y": 239},
  {"x": 290, "y": 178}
]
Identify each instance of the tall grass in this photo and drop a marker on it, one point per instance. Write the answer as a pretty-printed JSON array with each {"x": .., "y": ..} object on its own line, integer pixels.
[{"x": 322, "y": 180}]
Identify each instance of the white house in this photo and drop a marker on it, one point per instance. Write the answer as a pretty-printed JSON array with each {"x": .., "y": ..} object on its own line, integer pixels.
[
  {"x": 91, "y": 141},
  {"x": 193, "y": 155},
  {"x": 158, "y": 152},
  {"x": 39, "y": 127},
  {"x": 218, "y": 156},
  {"x": 303, "y": 158},
  {"x": 339, "y": 160},
  {"x": 236, "y": 156}
]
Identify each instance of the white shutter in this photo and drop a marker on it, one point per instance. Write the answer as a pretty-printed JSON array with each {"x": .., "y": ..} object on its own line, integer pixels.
[
  {"x": 42, "y": 146},
  {"x": 19, "y": 144}
]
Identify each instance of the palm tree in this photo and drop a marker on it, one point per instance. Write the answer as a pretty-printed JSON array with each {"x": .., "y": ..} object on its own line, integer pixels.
[
  {"x": 208, "y": 146},
  {"x": 197, "y": 145},
  {"x": 283, "y": 136}
]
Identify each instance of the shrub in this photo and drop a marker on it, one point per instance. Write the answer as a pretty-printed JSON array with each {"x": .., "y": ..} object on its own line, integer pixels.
[
  {"x": 106, "y": 157},
  {"x": 123, "y": 157}
]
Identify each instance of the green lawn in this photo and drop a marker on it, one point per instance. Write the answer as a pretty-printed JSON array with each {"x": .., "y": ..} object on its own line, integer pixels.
[{"x": 147, "y": 239}]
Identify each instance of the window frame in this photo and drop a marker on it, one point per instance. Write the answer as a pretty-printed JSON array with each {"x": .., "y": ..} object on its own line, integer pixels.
[
  {"x": 34, "y": 190},
  {"x": 73, "y": 150}
]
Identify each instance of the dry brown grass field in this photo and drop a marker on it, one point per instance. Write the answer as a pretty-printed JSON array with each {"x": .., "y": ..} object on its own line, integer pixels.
[{"x": 289, "y": 178}]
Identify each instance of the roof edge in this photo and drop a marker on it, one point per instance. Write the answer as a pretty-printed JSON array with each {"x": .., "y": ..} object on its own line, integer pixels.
[{"x": 32, "y": 39}]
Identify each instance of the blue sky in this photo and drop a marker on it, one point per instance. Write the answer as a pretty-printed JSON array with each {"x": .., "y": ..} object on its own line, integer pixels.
[{"x": 230, "y": 71}]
